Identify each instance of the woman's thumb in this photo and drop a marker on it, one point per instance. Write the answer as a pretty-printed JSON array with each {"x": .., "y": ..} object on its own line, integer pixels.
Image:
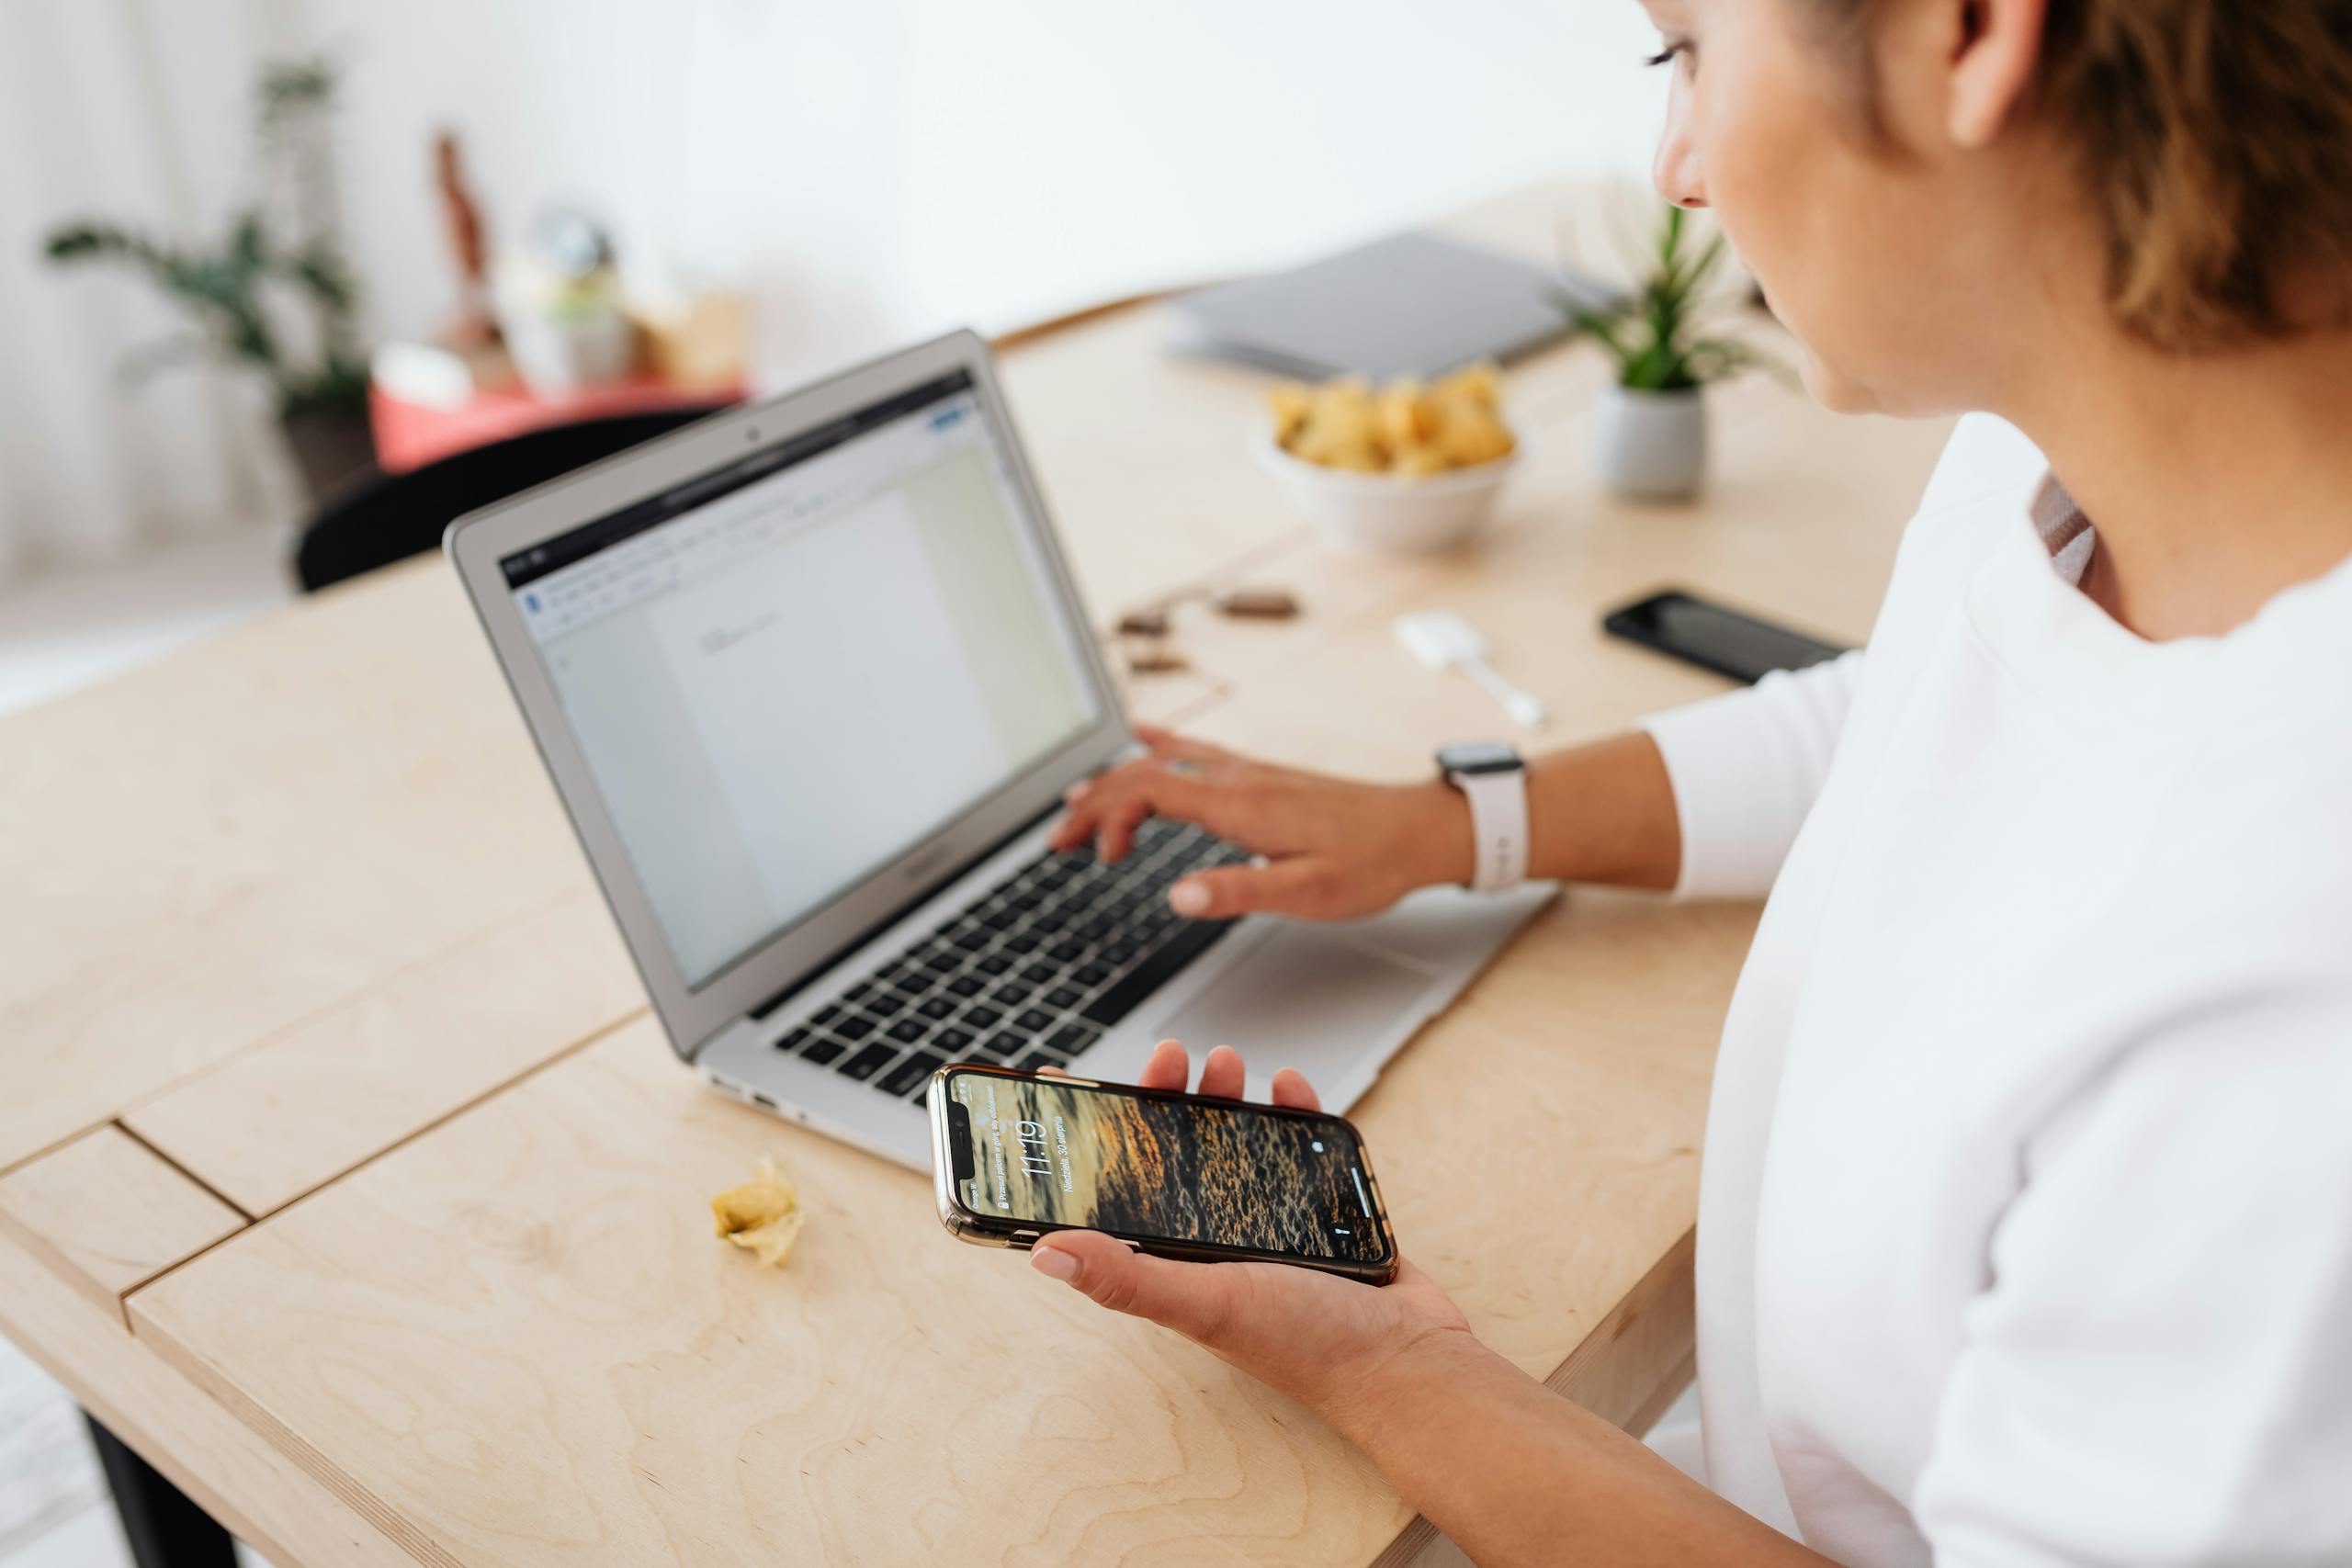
[
  {"x": 1300, "y": 886},
  {"x": 1186, "y": 1297}
]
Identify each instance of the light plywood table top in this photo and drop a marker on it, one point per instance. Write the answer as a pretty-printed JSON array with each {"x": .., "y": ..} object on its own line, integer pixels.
[{"x": 342, "y": 1174}]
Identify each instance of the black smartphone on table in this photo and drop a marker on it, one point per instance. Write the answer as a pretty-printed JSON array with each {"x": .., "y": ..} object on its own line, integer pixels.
[
  {"x": 1017, "y": 1154},
  {"x": 1714, "y": 637}
]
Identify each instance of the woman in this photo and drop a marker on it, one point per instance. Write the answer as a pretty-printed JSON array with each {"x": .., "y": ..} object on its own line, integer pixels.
[{"x": 2026, "y": 1223}]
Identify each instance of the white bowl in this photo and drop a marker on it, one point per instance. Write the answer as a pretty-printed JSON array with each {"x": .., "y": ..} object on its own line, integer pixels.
[{"x": 1384, "y": 513}]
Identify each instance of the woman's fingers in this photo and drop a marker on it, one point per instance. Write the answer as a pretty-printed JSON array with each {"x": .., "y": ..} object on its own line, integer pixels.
[
  {"x": 1169, "y": 1067},
  {"x": 1291, "y": 1088},
  {"x": 1223, "y": 1074},
  {"x": 1114, "y": 805},
  {"x": 1168, "y": 743},
  {"x": 1294, "y": 1091},
  {"x": 1117, "y": 833}
]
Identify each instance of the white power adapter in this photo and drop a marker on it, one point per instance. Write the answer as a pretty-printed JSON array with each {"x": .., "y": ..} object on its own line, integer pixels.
[{"x": 1444, "y": 641}]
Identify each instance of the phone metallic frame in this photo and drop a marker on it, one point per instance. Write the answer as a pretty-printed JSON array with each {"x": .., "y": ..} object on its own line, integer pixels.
[{"x": 987, "y": 1230}]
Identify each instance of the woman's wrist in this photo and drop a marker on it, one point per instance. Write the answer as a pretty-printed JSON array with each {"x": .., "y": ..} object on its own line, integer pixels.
[
  {"x": 1441, "y": 848},
  {"x": 1391, "y": 1385}
]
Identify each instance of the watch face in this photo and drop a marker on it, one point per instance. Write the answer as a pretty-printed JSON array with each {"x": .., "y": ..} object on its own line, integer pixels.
[{"x": 1479, "y": 756}]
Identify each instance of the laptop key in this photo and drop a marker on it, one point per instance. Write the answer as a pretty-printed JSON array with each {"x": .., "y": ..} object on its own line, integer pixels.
[
  {"x": 1005, "y": 1046},
  {"x": 795, "y": 1040},
  {"x": 938, "y": 1006},
  {"x": 825, "y": 1014},
  {"x": 823, "y": 1048},
  {"x": 943, "y": 963},
  {"x": 972, "y": 940},
  {"x": 1036, "y": 1060},
  {"x": 1010, "y": 996},
  {"x": 868, "y": 1062},
  {"x": 1090, "y": 975},
  {"x": 994, "y": 963},
  {"x": 857, "y": 1026},
  {"x": 979, "y": 1015},
  {"x": 907, "y": 1030},
  {"x": 952, "y": 1039},
  {"x": 1063, "y": 997},
  {"x": 1147, "y": 976},
  {"x": 913, "y": 1073},
  {"x": 888, "y": 1004},
  {"x": 1033, "y": 1020},
  {"x": 1072, "y": 1038},
  {"x": 1038, "y": 973},
  {"x": 967, "y": 984}
]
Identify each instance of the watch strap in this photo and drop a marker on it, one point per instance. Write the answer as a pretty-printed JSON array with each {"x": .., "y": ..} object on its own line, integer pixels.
[{"x": 1498, "y": 826}]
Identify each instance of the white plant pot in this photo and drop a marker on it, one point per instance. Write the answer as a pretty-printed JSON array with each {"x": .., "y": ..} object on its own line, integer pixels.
[
  {"x": 559, "y": 354},
  {"x": 1650, "y": 445}
]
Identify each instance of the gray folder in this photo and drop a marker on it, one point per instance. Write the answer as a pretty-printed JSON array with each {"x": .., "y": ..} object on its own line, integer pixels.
[{"x": 1412, "y": 304}]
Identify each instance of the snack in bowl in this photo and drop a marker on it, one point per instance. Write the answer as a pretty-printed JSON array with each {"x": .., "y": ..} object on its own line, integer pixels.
[
  {"x": 1401, "y": 468},
  {"x": 1406, "y": 428}
]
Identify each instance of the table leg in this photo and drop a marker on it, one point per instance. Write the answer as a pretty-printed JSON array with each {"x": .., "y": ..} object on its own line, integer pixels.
[{"x": 165, "y": 1530}]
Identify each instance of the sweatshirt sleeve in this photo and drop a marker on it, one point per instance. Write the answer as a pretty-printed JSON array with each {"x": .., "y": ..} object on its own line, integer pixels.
[
  {"x": 1746, "y": 768},
  {"x": 2158, "y": 1371}
]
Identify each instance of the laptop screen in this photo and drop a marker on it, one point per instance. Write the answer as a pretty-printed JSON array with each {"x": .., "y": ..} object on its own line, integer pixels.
[{"x": 789, "y": 672}]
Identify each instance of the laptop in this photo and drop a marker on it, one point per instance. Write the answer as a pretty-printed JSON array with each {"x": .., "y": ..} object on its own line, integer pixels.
[{"x": 810, "y": 678}]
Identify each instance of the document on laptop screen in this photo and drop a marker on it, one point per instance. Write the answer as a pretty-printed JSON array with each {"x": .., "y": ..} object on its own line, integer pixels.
[{"x": 787, "y": 675}]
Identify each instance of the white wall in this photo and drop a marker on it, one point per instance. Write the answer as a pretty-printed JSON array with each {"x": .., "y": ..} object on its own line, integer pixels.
[
  {"x": 867, "y": 169},
  {"x": 874, "y": 169}
]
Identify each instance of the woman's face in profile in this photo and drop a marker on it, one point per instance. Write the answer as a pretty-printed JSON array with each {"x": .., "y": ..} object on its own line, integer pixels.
[{"x": 1885, "y": 257}]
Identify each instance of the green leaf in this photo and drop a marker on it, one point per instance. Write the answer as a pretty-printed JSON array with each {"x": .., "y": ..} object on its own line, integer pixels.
[{"x": 1654, "y": 338}]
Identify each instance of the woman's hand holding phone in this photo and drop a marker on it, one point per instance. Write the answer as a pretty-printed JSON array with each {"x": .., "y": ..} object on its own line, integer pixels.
[{"x": 1313, "y": 1335}]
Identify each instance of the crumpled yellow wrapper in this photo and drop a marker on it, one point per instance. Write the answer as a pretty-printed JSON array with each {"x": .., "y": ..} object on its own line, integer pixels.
[{"x": 763, "y": 1216}]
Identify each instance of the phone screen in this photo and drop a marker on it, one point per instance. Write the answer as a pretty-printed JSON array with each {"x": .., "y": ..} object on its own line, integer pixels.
[{"x": 1176, "y": 1170}]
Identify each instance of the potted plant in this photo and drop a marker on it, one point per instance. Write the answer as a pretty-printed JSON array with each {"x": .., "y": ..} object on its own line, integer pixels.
[
  {"x": 241, "y": 292},
  {"x": 1650, "y": 429}
]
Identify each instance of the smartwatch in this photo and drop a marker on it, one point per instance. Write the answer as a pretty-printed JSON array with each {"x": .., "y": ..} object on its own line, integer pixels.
[{"x": 1490, "y": 774}]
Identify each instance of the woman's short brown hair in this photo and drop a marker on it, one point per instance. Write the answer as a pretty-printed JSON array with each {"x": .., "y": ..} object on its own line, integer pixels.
[{"x": 2215, "y": 137}]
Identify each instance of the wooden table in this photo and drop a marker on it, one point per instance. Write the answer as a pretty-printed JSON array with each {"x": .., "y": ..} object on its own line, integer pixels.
[{"x": 344, "y": 1175}]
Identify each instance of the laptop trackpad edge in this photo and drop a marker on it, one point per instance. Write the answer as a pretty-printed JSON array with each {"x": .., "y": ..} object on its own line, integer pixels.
[{"x": 1303, "y": 998}]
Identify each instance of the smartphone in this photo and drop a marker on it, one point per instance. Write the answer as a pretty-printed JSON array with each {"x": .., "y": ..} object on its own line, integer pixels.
[
  {"x": 1185, "y": 1176},
  {"x": 1685, "y": 627}
]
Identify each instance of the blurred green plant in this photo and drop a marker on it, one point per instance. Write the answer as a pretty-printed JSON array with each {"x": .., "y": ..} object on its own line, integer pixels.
[
  {"x": 231, "y": 290},
  {"x": 1657, "y": 336}
]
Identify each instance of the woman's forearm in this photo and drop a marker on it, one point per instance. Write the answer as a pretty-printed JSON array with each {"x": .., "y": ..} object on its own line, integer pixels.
[
  {"x": 1514, "y": 1473},
  {"x": 1603, "y": 812}
]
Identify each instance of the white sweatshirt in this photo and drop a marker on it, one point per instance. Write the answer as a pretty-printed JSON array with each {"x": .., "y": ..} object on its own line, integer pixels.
[{"x": 2025, "y": 1232}]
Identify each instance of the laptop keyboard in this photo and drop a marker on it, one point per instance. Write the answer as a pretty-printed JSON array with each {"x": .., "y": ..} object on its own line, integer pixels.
[{"x": 1030, "y": 973}]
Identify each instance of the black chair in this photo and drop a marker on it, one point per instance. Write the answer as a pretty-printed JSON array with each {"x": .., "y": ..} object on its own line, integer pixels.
[{"x": 390, "y": 517}]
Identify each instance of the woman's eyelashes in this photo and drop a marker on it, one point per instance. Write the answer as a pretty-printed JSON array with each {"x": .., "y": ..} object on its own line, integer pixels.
[{"x": 1671, "y": 50}]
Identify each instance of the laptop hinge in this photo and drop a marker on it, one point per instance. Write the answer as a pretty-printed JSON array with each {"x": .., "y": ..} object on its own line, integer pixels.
[{"x": 930, "y": 891}]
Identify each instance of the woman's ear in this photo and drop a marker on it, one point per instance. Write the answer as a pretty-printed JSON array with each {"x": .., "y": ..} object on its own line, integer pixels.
[{"x": 1995, "y": 44}]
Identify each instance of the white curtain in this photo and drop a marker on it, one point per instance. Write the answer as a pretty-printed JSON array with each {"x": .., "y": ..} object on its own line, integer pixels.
[{"x": 135, "y": 111}]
